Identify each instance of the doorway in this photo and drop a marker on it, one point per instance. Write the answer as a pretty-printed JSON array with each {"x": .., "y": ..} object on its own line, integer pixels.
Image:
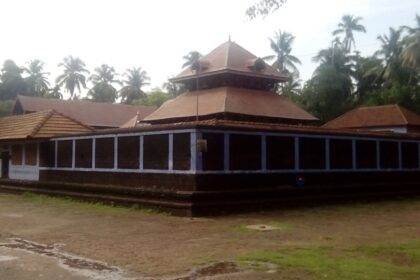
[{"x": 5, "y": 164}]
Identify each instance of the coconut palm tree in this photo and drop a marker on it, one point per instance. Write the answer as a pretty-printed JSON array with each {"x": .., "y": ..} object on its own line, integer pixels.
[
  {"x": 191, "y": 58},
  {"x": 281, "y": 44},
  {"x": 391, "y": 47},
  {"x": 73, "y": 75},
  {"x": 103, "y": 90},
  {"x": 37, "y": 82},
  {"x": 410, "y": 55},
  {"x": 347, "y": 26},
  {"x": 136, "y": 78},
  {"x": 54, "y": 92}
]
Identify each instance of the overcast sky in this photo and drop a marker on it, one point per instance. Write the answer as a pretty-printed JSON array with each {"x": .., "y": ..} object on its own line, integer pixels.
[{"x": 156, "y": 34}]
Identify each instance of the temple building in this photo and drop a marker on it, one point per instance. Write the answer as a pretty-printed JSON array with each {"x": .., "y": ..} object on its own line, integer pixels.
[{"x": 228, "y": 144}]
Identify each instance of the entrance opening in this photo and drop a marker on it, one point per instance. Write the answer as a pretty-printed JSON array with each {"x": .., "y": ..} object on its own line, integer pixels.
[{"x": 5, "y": 156}]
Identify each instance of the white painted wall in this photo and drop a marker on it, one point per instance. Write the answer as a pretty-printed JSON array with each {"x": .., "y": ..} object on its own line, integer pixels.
[{"x": 24, "y": 172}]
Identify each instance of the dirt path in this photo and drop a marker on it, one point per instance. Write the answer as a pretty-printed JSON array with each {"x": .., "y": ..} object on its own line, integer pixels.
[{"x": 140, "y": 245}]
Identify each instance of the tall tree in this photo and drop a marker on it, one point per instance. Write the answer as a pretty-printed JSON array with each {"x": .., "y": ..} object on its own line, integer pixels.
[
  {"x": 391, "y": 47},
  {"x": 136, "y": 78},
  {"x": 37, "y": 81},
  {"x": 263, "y": 8},
  {"x": 103, "y": 80},
  {"x": 12, "y": 82},
  {"x": 410, "y": 55},
  {"x": 73, "y": 75},
  {"x": 191, "y": 58},
  {"x": 55, "y": 92},
  {"x": 281, "y": 44},
  {"x": 347, "y": 26}
]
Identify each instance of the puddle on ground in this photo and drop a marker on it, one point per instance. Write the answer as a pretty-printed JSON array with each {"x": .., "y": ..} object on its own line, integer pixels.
[
  {"x": 12, "y": 215},
  {"x": 96, "y": 270},
  {"x": 7, "y": 258}
]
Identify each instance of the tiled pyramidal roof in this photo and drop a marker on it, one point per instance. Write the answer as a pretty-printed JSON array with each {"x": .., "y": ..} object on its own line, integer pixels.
[
  {"x": 375, "y": 116},
  {"x": 232, "y": 84}
]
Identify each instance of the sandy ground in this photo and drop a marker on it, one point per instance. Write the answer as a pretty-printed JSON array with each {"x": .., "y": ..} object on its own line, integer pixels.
[{"x": 38, "y": 237}]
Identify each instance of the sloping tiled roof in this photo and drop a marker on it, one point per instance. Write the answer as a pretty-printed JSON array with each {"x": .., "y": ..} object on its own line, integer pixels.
[
  {"x": 375, "y": 116},
  {"x": 94, "y": 114},
  {"x": 230, "y": 58},
  {"x": 230, "y": 100},
  {"x": 43, "y": 124}
]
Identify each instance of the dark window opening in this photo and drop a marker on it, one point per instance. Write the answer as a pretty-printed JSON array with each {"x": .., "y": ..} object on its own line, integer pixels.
[
  {"x": 280, "y": 152},
  {"x": 84, "y": 153},
  {"x": 365, "y": 154},
  {"x": 104, "y": 153},
  {"x": 341, "y": 154},
  {"x": 311, "y": 153},
  {"x": 181, "y": 151},
  {"x": 47, "y": 154},
  {"x": 128, "y": 152},
  {"x": 156, "y": 150},
  {"x": 388, "y": 154},
  {"x": 64, "y": 153},
  {"x": 213, "y": 158},
  {"x": 410, "y": 155},
  {"x": 245, "y": 152}
]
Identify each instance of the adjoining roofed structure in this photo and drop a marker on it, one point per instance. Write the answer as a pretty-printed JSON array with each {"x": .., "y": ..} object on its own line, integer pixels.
[
  {"x": 387, "y": 117},
  {"x": 43, "y": 124},
  {"x": 230, "y": 103},
  {"x": 94, "y": 114}
]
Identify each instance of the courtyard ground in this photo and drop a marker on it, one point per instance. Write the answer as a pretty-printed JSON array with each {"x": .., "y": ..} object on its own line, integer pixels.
[{"x": 71, "y": 240}]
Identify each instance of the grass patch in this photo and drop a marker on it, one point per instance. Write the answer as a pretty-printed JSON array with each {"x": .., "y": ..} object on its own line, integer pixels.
[
  {"x": 85, "y": 205},
  {"x": 357, "y": 263}
]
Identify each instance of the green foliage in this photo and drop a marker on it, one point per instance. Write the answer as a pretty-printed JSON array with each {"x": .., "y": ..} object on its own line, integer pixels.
[
  {"x": 191, "y": 58},
  {"x": 136, "y": 78},
  {"x": 364, "y": 262},
  {"x": 155, "y": 97},
  {"x": 347, "y": 26},
  {"x": 281, "y": 45},
  {"x": 328, "y": 94},
  {"x": 73, "y": 75},
  {"x": 37, "y": 81},
  {"x": 103, "y": 80},
  {"x": 12, "y": 83},
  {"x": 6, "y": 107},
  {"x": 263, "y": 8}
]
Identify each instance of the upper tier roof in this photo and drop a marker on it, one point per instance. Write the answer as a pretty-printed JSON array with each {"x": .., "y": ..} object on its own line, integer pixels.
[
  {"x": 233, "y": 59},
  {"x": 375, "y": 116},
  {"x": 94, "y": 114},
  {"x": 231, "y": 100}
]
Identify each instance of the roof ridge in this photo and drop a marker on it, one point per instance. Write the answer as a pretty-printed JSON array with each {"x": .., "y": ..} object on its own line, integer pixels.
[
  {"x": 38, "y": 127},
  {"x": 341, "y": 116},
  {"x": 401, "y": 112}
]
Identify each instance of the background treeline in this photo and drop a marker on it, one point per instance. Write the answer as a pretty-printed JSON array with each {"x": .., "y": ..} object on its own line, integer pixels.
[{"x": 342, "y": 80}]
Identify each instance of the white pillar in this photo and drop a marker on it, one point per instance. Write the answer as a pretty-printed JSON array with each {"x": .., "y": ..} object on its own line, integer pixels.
[
  {"x": 93, "y": 153},
  {"x": 193, "y": 151},
  {"x": 297, "y": 165},
  {"x": 171, "y": 152},
  {"x": 141, "y": 151},
  {"x": 115, "y": 152},
  {"x": 226, "y": 152},
  {"x": 23, "y": 154},
  {"x": 263, "y": 152},
  {"x": 73, "y": 154}
]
